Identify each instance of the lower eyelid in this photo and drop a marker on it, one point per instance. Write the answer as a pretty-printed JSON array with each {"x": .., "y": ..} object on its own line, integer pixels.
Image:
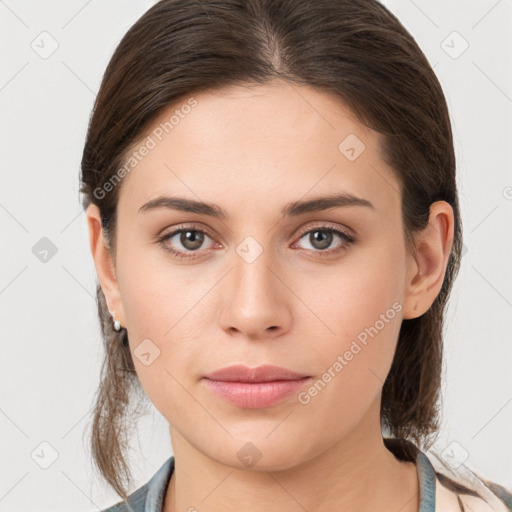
[{"x": 345, "y": 241}]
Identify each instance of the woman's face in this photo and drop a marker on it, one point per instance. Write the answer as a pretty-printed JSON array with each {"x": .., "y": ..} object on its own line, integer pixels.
[{"x": 259, "y": 287}]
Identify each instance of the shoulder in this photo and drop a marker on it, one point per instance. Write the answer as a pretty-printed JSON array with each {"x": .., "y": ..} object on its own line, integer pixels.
[
  {"x": 136, "y": 502},
  {"x": 150, "y": 497},
  {"x": 468, "y": 492}
]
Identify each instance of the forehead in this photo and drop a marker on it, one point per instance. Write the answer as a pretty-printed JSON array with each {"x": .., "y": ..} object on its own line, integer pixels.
[{"x": 258, "y": 147}]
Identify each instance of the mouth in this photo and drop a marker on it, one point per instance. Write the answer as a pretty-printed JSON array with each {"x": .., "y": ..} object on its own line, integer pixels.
[
  {"x": 265, "y": 373},
  {"x": 255, "y": 388}
]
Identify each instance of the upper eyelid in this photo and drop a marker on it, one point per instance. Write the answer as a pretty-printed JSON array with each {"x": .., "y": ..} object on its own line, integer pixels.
[
  {"x": 179, "y": 228},
  {"x": 327, "y": 226}
]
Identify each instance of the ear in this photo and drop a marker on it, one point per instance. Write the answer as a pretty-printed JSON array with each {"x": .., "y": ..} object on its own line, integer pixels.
[
  {"x": 426, "y": 269},
  {"x": 103, "y": 261}
]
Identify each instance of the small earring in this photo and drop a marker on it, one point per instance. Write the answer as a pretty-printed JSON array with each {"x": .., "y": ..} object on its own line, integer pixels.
[{"x": 117, "y": 323}]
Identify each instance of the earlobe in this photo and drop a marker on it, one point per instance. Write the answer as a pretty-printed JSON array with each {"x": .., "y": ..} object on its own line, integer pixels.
[
  {"x": 103, "y": 262},
  {"x": 428, "y": 267}
]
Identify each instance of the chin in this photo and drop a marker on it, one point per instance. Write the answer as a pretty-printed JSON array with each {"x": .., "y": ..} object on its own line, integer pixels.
[{"x": 257, "y": 455}]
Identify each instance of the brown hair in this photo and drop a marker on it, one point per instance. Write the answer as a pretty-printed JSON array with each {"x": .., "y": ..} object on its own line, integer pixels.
[{"x": 354, "y": 49}]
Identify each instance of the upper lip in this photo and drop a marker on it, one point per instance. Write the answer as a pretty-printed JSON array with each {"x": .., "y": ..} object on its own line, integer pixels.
[{"x": 265, "y": 373}]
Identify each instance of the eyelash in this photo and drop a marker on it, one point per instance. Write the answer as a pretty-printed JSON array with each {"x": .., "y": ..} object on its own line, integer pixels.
[{"x": 347, "y": 239}]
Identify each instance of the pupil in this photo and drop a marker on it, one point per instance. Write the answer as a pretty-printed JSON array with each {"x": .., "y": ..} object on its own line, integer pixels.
[
  {"x": 192, "y": 239},
  {"x": 321, "y": 241}
]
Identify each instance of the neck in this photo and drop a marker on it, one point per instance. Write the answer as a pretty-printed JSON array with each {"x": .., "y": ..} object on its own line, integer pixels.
[{"x": 357, "y": 473}]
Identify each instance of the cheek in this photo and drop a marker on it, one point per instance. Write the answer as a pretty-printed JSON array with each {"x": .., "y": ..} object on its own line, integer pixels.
[
  {"x": 354, "y": 295},
  {"x": 166, "y": 309},
  {"x": 156, "y": 294},
  {"x": 359, "y": 319}
]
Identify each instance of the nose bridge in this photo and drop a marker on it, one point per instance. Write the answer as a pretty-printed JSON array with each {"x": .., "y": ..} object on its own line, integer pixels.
[
  {"x": 254, "y": 300},
  {"x": 252, "y": 272}
]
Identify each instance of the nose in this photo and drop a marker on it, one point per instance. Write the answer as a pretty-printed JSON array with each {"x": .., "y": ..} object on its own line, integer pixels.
[{"x": 256, "y": 303}]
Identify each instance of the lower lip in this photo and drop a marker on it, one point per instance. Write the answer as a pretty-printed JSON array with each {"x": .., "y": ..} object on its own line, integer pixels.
[{"x": 255, "y": 395}]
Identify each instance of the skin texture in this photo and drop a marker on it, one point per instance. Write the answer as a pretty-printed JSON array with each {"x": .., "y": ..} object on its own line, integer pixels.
[{"x": 251, "y": 150}]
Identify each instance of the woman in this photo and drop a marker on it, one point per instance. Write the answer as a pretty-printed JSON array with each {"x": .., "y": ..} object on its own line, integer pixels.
[{"x": 272, "y": 206}]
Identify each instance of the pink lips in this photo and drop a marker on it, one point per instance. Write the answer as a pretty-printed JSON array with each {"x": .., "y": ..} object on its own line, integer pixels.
[{"x": 254, "y": 388}]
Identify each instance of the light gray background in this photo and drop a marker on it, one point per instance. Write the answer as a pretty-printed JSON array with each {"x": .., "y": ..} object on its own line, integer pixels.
[{"x": 51, "y": 346}]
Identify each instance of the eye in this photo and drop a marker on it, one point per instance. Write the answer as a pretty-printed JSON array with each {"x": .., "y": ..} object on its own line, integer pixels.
[
  {"x": 184, "y": 241},
  {"x": 321, "y": 238}
]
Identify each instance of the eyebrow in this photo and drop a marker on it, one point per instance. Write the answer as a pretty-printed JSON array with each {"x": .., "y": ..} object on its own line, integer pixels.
[{"x": 292, "y": 209}]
